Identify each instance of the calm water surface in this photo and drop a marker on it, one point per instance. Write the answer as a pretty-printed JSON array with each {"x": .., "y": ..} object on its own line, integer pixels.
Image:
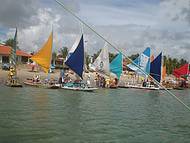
[{"x": 34, "y": 115}]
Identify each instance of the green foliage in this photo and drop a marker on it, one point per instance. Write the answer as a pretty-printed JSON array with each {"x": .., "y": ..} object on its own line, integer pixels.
[
  {"x": 64, "y": 52},
  {"x": 96, "y": 55},
  {"x": 133, "y": 57},
  {"x": 87, "y": 60},
  {"x": 172, "y": 63},
  {"x": 10, "y": 42},
  {"x": 112, "y": 56}
]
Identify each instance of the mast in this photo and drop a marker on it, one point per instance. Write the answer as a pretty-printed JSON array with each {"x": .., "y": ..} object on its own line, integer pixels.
[
  {"x": 13, "y": 53},
  {"x": 162, "y": 67},
  {"x": 188, "y": 69}
]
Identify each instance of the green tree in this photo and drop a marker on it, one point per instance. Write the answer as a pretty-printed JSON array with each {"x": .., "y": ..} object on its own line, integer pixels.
[
  {"x": 10, "y": 42},
  {"x": 164, "y": 60},
  {"x": 111, "y": 56},
  {"x": 173, "y": 63},
  {"x": 96, "y": 55},
  {"x": 64, "y": 52},
  {"x": 182, "y": 62},
  {"x": 133, "y": 57},
  {"x": 87, "y": 60}
]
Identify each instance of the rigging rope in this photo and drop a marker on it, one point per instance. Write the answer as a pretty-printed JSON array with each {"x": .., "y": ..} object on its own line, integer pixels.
[{"x": 78, "y": 18}]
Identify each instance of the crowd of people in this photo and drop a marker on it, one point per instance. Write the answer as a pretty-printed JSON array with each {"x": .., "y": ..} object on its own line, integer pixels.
[{"x": 105, "y": 82}]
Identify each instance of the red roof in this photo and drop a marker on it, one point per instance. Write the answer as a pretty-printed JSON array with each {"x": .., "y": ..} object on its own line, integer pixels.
[{"x": 5, "y": 50}]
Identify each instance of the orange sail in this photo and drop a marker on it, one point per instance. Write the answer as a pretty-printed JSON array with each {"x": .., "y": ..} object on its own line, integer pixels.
[
  {"x": 43, "y": 56},
  {"x": 163, "y": 72},
  {"x": 152, "y": 58}
]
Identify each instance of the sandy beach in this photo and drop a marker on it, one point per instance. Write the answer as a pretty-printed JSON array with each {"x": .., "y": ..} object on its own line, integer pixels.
[{"x": 24, "y": 72}]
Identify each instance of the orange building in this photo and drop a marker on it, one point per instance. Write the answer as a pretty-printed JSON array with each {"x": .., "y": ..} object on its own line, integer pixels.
[{"x": 22, "y": 57}]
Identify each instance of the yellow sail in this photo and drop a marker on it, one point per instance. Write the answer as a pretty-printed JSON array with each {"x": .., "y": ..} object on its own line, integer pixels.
[{"x": 43, "y": 56}]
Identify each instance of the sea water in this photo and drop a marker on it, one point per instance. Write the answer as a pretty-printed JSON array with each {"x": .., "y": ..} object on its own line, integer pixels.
[{"x": 35, "y": 115}]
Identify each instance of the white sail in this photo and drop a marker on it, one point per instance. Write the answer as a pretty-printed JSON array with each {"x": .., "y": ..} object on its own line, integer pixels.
[
  {"x": 101, "y": 64},
  {"x": 143, "y": 61}
]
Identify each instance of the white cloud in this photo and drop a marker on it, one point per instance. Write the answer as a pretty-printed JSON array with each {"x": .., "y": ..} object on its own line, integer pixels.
[{"x": 162, "y": 26}]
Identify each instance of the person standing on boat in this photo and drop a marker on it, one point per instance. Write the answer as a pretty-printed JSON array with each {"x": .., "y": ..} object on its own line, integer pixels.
[
  {"x": 107, "y": 82},
  {"x": 144, "y": 83},
  {"x": 11, "y": 74},
  {"x": 116, "y": 82},
  {"x": 61, "y": 78},
  {"x": 88, "y": 81},
  {"x": 97, "y": 79}
]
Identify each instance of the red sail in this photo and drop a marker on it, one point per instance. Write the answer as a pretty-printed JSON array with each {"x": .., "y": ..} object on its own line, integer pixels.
[{"x": 183, "y": 70}]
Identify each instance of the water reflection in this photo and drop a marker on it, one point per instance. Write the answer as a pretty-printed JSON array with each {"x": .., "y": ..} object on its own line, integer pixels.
[{"x": 40, "y": 101}]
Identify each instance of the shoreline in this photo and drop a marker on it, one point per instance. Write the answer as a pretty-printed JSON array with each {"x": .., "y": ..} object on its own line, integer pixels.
[{"x": 24, "y": 72}]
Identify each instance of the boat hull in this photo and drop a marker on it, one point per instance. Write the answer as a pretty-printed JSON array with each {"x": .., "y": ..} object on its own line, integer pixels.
[
  {"x": 90, "y": 89},
  {"x": 32, "y": 84},
  {"x": 141, "y": 87},
  {"x": 14, "y": 85}
]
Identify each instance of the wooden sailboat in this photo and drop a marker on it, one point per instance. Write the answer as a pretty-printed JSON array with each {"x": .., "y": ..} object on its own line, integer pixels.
[
  {"x": 102, "y": 66},
  {"x": 181, "y": 75},
  {"x": 13, "y": 80},
  {"x": 76, "y": 63},
  {"x": 153, "y": 68},
  {"x": 42, "y": 58}
]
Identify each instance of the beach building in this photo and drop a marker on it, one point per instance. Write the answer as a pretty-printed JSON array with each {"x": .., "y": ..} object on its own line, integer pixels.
[{"x": 22, "y": 57}]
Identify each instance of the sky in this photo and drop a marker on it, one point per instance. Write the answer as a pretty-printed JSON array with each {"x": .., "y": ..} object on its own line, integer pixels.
[{"x": 131, "y": 25}]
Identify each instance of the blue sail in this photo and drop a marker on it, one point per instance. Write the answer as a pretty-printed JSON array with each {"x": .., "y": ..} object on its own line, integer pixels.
[
  {"x": 116, "y": 65},
  {"x": 155, "y": 67},
  {"x": 76, "y": 59},
  {"x": 133, "y": 66},
  {"x": 143, "y": 61}
]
